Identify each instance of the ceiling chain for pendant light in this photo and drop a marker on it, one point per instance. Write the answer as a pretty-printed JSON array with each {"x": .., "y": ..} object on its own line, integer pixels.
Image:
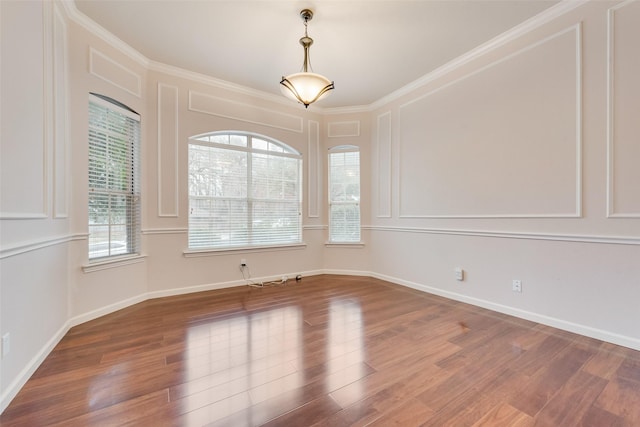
[{"x": 306, "y": 87}]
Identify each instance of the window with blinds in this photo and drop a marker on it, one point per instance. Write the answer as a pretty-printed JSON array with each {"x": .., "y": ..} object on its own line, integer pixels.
[
  {"x": 114, "y": 183},
  {"x": 244, "y": 190},
  {"x": 344, "y": 194}
]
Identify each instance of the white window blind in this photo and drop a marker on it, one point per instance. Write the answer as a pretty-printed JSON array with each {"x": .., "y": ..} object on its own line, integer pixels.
[
  {"x": 114, "y": 184},
  {"x": 344, "y": 194},
  {"x": 244, "y": 190}
]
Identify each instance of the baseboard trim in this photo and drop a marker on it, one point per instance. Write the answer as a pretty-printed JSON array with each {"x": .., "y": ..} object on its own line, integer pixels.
[
  {"x": 16, "y": 385},
  {"x": 103, "y": 311},
  {"x": 194, "y": 289},
  {"x": 565, "y": 325},
  {"x": 30, "y": 246}
]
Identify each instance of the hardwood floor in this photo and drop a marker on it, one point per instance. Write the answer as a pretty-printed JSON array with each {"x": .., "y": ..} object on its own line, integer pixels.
[{"x": 326, "y": 351}]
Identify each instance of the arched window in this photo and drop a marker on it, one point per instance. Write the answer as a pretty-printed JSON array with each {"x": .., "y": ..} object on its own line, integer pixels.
[
  {"x": 244, "y": 190},
  {"x": 344, "y": 194}
]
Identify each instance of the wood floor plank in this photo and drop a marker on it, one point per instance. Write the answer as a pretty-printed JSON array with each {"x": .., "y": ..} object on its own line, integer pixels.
[
  {"x": 546, "y": 383},
  {"x": 603, "y": 364},
  {"x": 126, "y": 413},
  {"x": 307, "y": 414},
  {"x": 573, "y": 400},
  {"x": 504, "y": 415},
  {"x": 598, "y": 417},
  {"x": 410, "y": 413},
  {"x": 328, "y": 351},
  {"x": 478, "y": 399},
  {"x": 480, "y": 366},
  {"x": 621, "y": 397},
  {"x": 368, "y": 406},
  {"x": 630, "y": 370}
]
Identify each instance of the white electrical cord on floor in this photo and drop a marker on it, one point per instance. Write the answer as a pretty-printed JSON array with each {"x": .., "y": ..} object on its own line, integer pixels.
[
  {"x": 248, "y": 279},
  {"x": 251, "y": 283}
]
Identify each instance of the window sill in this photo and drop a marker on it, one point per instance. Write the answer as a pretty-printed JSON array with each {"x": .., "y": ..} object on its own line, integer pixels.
[
  {"x": 193, "y": 253},
  {"x": 113, "y": 263},
  {"x": 344, "y": 244}
]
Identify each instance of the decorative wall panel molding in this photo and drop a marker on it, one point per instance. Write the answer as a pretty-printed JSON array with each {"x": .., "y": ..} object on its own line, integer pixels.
[
  {"x": 25, "y": 131},
  {"x": 501, "y": 142},
  {"x": 60, "y": 122},
  {"x": 343, "y": 129},
  {"x": 109, "y": 70},
  {"x": 383, "y": 148},
  {"x": 313, "y": 169},
  {"x": 623, "y": 118},
  {"x": 215, "y": 106},
  {"x": 581, "y": 238},
  {"x": 167, "y": 151},
  {"x": 35, "y": 245}
]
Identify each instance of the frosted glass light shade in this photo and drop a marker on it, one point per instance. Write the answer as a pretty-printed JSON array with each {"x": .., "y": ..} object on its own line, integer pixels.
[{"x": 305, "y": 87}]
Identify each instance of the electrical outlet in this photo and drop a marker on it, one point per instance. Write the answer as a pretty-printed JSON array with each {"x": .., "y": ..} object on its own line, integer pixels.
[
  {"x": 459, "y": 273},
  {"x": 243, "y": 262},
  {"x": 6, "y": 344},
  {"x": 516, "y": 286}
]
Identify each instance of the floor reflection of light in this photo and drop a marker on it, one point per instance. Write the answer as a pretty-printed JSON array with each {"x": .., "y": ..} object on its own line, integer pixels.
[
  {"x": 103, "y": 387},
  {"x": 345, "y": 346},
  {"x": 235, "y": 362}
]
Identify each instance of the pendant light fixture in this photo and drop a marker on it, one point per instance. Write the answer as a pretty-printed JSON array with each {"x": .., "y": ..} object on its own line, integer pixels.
[{"x": 306, "y": 87}]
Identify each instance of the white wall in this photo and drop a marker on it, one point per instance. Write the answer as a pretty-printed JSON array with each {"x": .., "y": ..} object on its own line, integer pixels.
[
  {"x": 34, "y": 174},
  {"x": 502, "y": 164}
]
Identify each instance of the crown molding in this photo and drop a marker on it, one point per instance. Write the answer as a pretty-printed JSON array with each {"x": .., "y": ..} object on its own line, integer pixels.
[
  {"x": 219, "y": 83},
  {"x": 70, "y": 9},
  {"x": 93, "y": 27},
  {"x": 542, "y": 18},
  {"x": 559, "y": 9}
]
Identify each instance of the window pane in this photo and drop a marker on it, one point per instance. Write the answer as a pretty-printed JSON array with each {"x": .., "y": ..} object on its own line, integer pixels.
[
  {"x": 345, "y": 176},
  {"x": 118, "y": 209},
  {"x": 260, "y": 144},
  {"x": 345, "y": 223},
  {"x": 238, "y": 140},
  {"x": 275, "y": 177},
  {"x": 217, "y": 172},
  {"x": 118, "y": 244},
  {"x": 98, "y": 241},
  {"x": 275, "y": 147},
  {"x": 217, "y": 223},
  {"x": 219, "y": 139},
  {"x": 98, "y": 208},
  {"x": 275, "y": 222}
]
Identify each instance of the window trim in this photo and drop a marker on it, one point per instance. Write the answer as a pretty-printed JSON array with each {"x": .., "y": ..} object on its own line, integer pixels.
[
  {"x": 288, "y": 152},
  {"x": 103, "y": 262},
  {"x": 196, "y": 253},
  {"x": 341, "y": 243},
  {"x": 113, "y": 261},
  {"x": 354, "y": 245}
]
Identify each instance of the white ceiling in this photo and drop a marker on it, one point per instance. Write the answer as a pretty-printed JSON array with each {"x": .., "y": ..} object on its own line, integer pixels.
[{"x": 369, "y": 48}]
